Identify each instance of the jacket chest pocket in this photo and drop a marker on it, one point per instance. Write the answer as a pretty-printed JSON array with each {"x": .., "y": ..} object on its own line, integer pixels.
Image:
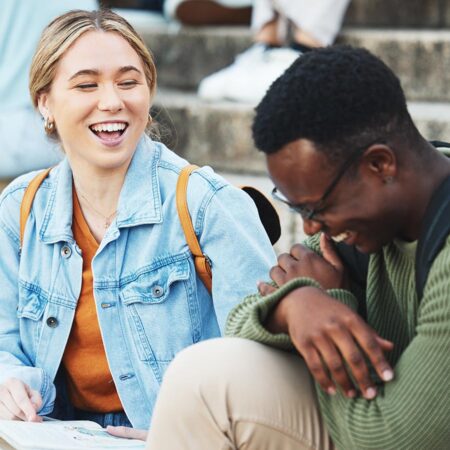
[
  {"x": 30, "y": 312},
  {"x": 162, "y": 312}
]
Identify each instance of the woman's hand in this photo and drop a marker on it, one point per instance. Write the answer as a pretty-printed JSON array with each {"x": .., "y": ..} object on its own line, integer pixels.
[
  {"x": 327, "y": 270},
  {"x": 127, "y": 432},
  {"x": 19, "y": 402},
  {"x": 329, "y": 336}
]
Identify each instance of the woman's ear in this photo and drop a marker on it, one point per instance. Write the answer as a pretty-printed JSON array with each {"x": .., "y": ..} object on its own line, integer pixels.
[{"x": 43, "y": 106}]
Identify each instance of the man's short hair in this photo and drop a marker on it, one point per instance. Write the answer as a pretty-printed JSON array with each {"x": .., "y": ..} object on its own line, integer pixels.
[{"x": 340, "y": 98}]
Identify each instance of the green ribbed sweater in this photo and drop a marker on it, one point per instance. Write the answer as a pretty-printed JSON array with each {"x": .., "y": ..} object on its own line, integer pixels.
[{"x": 412, "y": 412}]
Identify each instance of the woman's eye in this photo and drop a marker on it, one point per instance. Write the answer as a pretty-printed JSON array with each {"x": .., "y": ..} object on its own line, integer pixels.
[
  {"x": 86, "y": 86},
  {"x": 128, "y": 83}
]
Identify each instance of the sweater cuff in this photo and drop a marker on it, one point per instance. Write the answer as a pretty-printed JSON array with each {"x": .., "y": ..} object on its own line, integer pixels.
[
  {"x": 345, "y": 297},
  {"x": 253, "y": 327}
]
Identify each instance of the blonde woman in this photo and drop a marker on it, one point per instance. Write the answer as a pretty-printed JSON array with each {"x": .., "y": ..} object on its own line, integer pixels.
[{"x": 103, "y": 292}]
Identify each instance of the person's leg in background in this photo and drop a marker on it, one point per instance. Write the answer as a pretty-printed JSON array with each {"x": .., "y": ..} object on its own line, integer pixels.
[
  {"x": 315, "y": 24},
  {"x": 232, "y": 393}
]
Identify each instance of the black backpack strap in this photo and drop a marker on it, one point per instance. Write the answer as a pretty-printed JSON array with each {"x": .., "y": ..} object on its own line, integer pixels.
[
  {"x": 357, "y": 265},
  {"x": 435, "y": 229}
]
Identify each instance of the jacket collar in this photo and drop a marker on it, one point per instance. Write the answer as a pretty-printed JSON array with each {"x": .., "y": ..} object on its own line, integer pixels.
[{"x": 139, "y": 201}]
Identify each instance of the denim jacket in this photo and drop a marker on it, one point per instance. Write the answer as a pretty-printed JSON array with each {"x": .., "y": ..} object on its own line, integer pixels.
[{"x": 150, "y": 303}]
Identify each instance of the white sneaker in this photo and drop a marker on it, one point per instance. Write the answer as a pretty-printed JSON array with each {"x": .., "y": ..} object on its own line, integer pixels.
[{"x": 249, "y": 77}]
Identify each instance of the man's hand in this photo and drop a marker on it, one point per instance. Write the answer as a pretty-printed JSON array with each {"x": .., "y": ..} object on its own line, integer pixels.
[
  {"x": 127, "y": 432},
  {"x": 19, "y": 402},
  {"x": 328, "y": 334},
  {"x": 327, "y": 270}
]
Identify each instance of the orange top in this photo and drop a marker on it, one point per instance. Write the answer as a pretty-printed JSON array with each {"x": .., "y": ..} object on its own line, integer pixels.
[{"x": 89, "y": 382}]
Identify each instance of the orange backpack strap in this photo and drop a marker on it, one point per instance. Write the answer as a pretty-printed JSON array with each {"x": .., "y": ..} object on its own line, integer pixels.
[
  {"x": 27, "y": 200},
  {"x": 201, "y": 262}
]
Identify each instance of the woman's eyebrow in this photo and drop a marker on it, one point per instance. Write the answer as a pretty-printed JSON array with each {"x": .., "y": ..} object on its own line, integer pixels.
[
  {"x": 123, "y": 69},
  {"x": 84, "y": 72},
  {"x": 128, "y": 69}
]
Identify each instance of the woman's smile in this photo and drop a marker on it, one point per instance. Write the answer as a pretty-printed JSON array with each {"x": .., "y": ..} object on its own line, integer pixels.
[{"x": 111, "y": 133}]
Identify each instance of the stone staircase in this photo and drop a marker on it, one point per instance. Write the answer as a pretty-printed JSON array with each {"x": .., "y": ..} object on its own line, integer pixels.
[{"x": 411, "y": 36}]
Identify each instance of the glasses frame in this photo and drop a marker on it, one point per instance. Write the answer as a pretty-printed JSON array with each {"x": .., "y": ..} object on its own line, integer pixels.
[{"x": 309, "y": 212}]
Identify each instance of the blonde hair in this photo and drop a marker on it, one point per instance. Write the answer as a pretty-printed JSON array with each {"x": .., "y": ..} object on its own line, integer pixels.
[{"x": 63, "y": 31}]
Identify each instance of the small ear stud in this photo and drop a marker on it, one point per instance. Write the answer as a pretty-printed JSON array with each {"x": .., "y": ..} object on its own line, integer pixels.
[{"x": 388, "y": 180}]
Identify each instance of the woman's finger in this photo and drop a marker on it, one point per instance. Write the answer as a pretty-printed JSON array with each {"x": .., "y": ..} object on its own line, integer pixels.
[
  {"x": 21, "y": 395},
  {"x": 127, "y": 432},
  {"x": 9, "y": 410}
]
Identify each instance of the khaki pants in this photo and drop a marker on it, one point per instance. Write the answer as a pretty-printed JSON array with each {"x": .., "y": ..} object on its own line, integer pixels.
[{"x": 232, "y": 393}]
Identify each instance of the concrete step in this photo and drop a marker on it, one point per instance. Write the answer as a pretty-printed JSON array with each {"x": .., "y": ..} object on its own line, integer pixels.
[
  {"x": 421, "y": 58},
  {"x": 218, "y": 134},
  {"x": 399, "y": 13}
]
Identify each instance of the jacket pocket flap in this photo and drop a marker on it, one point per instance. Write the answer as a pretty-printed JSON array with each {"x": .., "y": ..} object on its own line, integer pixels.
[
  {"x": 31, "y": 304},
  {"x": 154, "y": 286}
]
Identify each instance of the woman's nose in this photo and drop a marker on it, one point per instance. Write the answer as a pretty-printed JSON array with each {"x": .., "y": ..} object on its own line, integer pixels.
[{"x": 110, "y": 100}]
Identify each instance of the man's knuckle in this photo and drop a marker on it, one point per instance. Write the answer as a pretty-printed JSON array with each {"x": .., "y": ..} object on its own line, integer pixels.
[
  {"x": 316, "y": 369},
  {"x": 332, "y": 325},
  {"x": 336, "y": 366},
  {"x": 356, "y": 359}
]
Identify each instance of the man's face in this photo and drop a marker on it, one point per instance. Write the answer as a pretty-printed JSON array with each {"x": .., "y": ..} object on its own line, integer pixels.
[{"x": 358, "y": 210}]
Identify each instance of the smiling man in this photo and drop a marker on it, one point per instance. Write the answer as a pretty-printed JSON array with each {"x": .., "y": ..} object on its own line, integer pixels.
[{"x": 367, "y": 360}]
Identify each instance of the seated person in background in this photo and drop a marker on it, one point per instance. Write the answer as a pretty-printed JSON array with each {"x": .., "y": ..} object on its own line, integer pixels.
[
  {"x": 315, "y": 24},
  {"x": 23, "y": 143},
  {"x": 209, "y": 12},
  {"x": 103, "y": 292},
  {"x": 343, "y": 151}
]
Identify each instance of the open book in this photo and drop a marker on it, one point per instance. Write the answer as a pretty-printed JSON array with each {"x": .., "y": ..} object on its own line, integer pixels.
[{"x": 60, "y": 435}]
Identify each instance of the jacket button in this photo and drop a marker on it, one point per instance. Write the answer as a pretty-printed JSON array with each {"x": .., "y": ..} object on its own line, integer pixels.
[
  {"x": 52, "y": 322},
  {"x": 66, "y": 251},
  {"x": 157, "y": 291}
]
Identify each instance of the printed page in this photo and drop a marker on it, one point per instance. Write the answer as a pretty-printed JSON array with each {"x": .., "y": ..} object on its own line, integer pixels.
[{"x": 60, "y": 435}]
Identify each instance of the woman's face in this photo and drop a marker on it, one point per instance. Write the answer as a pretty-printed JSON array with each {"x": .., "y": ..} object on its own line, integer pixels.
[{"x": 99, "y": 101}]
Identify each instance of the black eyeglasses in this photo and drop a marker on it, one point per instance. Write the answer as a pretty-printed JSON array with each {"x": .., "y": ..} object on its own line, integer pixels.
[{"x": 309, "y": 211}]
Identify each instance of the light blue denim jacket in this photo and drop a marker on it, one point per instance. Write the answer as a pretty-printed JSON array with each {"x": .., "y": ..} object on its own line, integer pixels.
[{"x": 150, "y": 303}]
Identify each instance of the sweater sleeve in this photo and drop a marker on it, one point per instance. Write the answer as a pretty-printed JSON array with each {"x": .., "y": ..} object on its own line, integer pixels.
[
  {"x": 247, "y": 319},
  {"x": 411, "y": 412}
]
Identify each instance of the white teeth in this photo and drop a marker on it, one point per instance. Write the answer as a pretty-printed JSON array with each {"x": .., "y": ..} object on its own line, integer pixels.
[
  {"x": 341, "y": 237},
  {"x": 109, "y": 127}
]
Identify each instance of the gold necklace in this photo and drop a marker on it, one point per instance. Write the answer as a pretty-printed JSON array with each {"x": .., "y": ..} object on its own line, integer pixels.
[{"x": 107, "y": 219}]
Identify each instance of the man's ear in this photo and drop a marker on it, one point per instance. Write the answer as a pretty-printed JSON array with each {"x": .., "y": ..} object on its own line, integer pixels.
[
  {"x": 379, "y": 160},
  {"x": 43, "y": 105}
]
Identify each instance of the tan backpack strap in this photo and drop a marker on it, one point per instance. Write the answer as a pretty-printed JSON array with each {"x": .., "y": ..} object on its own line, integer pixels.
[
  {"x": 201, "y": 262},
  {"x": 27, "y": 200}
]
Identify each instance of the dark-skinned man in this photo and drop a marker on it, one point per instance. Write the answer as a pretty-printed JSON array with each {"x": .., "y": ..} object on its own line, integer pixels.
[{"x": 344, "y": 365}]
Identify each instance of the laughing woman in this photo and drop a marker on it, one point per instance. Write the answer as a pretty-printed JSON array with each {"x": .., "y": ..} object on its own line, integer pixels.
[{"x": 103, "y": 291}]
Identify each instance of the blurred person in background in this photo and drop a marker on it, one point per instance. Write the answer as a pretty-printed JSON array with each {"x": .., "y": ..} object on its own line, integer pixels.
[
  {"x": 314, "y": 24},
  {"x": 23, "y": 143}
]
